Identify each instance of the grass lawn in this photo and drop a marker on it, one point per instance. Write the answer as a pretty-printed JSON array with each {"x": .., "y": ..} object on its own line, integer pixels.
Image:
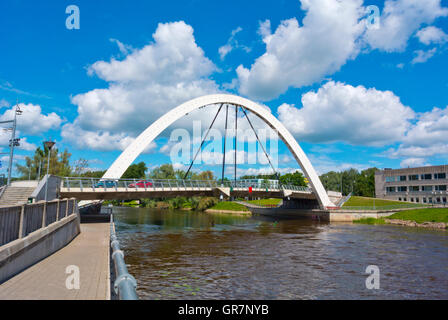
[
  {"x": 379, "y": 203},
  {"x": 265, "y": 202},
  {"x": 231, "y": 206},
  {"x": 423, "y": 215},
  {"x": 417, "y": 215}
]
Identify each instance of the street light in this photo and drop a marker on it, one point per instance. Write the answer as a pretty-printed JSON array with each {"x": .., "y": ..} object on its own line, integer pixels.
[
  {"x": 13, "y": 142},
  {"x": 49, "y": 145}
]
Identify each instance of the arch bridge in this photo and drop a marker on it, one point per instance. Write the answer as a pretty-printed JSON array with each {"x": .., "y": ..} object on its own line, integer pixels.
[{"x": 112, "y": 187}]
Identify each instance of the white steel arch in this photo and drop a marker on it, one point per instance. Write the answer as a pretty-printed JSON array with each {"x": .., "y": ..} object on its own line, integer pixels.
[{"x": 152, "y": 132}]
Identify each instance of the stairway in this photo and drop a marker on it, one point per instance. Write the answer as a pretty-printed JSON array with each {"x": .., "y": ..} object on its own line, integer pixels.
[{"x": 15, "y": 195}]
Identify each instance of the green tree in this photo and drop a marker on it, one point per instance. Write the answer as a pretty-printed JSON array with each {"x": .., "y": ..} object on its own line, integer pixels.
[
  {"x": 331, "y": 181},
  {"x": 360, "y": 183},
  {"x": 365, "y": 183},
  {"x": 93, "y": 174},
  {"x": 165, "y": 171},
  {"x": 294, "y": 179},
  {"x": 81, "y": 167},
  {"x": 135, "y": 171},
  {"x": 204, "y": 175},
  {"x": 59, "y": 164}
]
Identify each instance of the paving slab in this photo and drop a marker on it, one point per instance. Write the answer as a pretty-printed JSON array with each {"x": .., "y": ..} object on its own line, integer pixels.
[{"x": 46, "y": 280}]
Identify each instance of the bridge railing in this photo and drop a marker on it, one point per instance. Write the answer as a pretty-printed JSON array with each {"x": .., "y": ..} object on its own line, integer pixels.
[
  {"x": 95, "y": 184},
  {"x": 100, "y": 185},
  {"x": 19, "y": 221}
]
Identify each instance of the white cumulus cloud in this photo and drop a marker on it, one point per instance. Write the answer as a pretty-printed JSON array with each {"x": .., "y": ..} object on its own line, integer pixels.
[
  {"x": 399, "y": 20},
  {"x": 355, "y": 115},
  {"x": 432, "y": 34},
  {"x": 301, "y": 55},
  {"x": 32, "y": 121},
  {"x": 422, "y": 56},
  {"x": 143, "y": 86}
]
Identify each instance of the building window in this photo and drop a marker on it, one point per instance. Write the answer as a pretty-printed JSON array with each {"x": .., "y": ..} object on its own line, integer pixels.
[
  {"x": 405, "y": 199},
  {"x": 426, "y": 176},
  {"x": 390, "y": 179},
  {"x": 399, "y": 199},
  {"x": 430, "y": 200},
  {"x": 413, "y": 177},
  {"x": 424, "y": 200},
  {"x": 440, "y": 188},
  {"x": 444, "y": 199},
  {"x": 402, "y": 189},
  {"x": 426, "y": 188},
  {"x": 412, "y": 199},
  {"x": 402, "y": 178},
  {"x": 414, "y": 188},
  {"x": 391, "y": 189},
  {"x": 417, "y": 200},
  {"x": 440, "y": 176}
]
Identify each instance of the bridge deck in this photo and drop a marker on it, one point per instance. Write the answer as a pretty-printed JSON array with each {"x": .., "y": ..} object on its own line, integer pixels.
[
  {"x": 46, "y": 279},
  {"x": 136, "y": 193}
]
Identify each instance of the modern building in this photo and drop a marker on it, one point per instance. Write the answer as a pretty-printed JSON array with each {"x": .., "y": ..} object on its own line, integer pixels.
[{"x": 419, "y": 185}]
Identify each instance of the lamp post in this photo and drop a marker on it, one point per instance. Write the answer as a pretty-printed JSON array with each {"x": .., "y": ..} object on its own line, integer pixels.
[
  {"x": 49, "y": 145},
  {"x": 14, "y": 142}
]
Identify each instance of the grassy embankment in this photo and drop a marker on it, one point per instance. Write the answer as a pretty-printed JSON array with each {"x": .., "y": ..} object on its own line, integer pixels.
[
  {"x": 364, "y": 203},
  {"x": 265, "y": 202},
  {"x": 417, "y": 215},
  {"x": 232, "y": 206},
  {"x": 229, "y": 206}
]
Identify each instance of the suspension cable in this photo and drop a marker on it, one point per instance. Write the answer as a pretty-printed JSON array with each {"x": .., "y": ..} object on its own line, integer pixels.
[
  {"x": 224, "y": 152},
  {"x": 236, "y": 137},
  {"x": 203, "y": 141},
  {"x": 256, "y": 135}
]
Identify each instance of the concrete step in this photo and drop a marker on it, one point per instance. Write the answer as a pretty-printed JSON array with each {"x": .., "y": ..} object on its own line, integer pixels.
[{"x": 15, "y": 195}]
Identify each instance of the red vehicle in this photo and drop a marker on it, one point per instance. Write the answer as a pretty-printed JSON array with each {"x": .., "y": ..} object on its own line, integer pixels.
[{"x": 140, "y": 184}]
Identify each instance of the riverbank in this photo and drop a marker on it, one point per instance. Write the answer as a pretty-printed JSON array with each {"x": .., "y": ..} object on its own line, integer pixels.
[
  {"x": 241, "y": 213},
  {"x": 424, "y": 218}
]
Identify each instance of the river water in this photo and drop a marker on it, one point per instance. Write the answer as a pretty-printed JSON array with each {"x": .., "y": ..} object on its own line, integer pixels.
[{"x": 186, "y": 255}]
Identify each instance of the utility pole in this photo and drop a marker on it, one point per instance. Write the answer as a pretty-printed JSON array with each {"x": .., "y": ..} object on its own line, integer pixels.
[
  {"x": 40, "y": 166},
  {"x": 13, "y": 142},
  {"x": 341, "y": 182},
  {"x": 49, "y": 145}
]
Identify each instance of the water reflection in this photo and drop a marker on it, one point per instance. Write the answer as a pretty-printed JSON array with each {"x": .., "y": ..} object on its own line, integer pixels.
[{"x": 185, "y": 255}]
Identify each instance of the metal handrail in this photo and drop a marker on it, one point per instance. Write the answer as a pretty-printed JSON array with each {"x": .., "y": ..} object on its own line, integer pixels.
[
  {"x": 94, "y": 184},
  {"x": 125, "y": 284}
]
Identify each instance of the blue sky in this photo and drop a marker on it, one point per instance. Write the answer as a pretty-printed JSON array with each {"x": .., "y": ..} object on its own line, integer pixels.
[{"x": 352, "y": 96}]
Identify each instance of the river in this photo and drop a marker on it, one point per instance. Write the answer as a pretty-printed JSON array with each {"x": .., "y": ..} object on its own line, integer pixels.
[{"x": 188, "y": 255}]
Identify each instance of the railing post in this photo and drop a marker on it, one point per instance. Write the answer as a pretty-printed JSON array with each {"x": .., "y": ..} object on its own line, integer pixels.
[
  {"x": 57, "y": 210},
  {"x": 21, "y": 222},
  {"x": 80, "y": 184},
  {"x": 44, "y": 215},
  {"x": 66, "y": 208},
  {"x": 67, "y": 181}
]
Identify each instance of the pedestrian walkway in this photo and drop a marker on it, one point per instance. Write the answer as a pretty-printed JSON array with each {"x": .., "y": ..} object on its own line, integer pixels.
[{"x": 46, "y": 280}]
